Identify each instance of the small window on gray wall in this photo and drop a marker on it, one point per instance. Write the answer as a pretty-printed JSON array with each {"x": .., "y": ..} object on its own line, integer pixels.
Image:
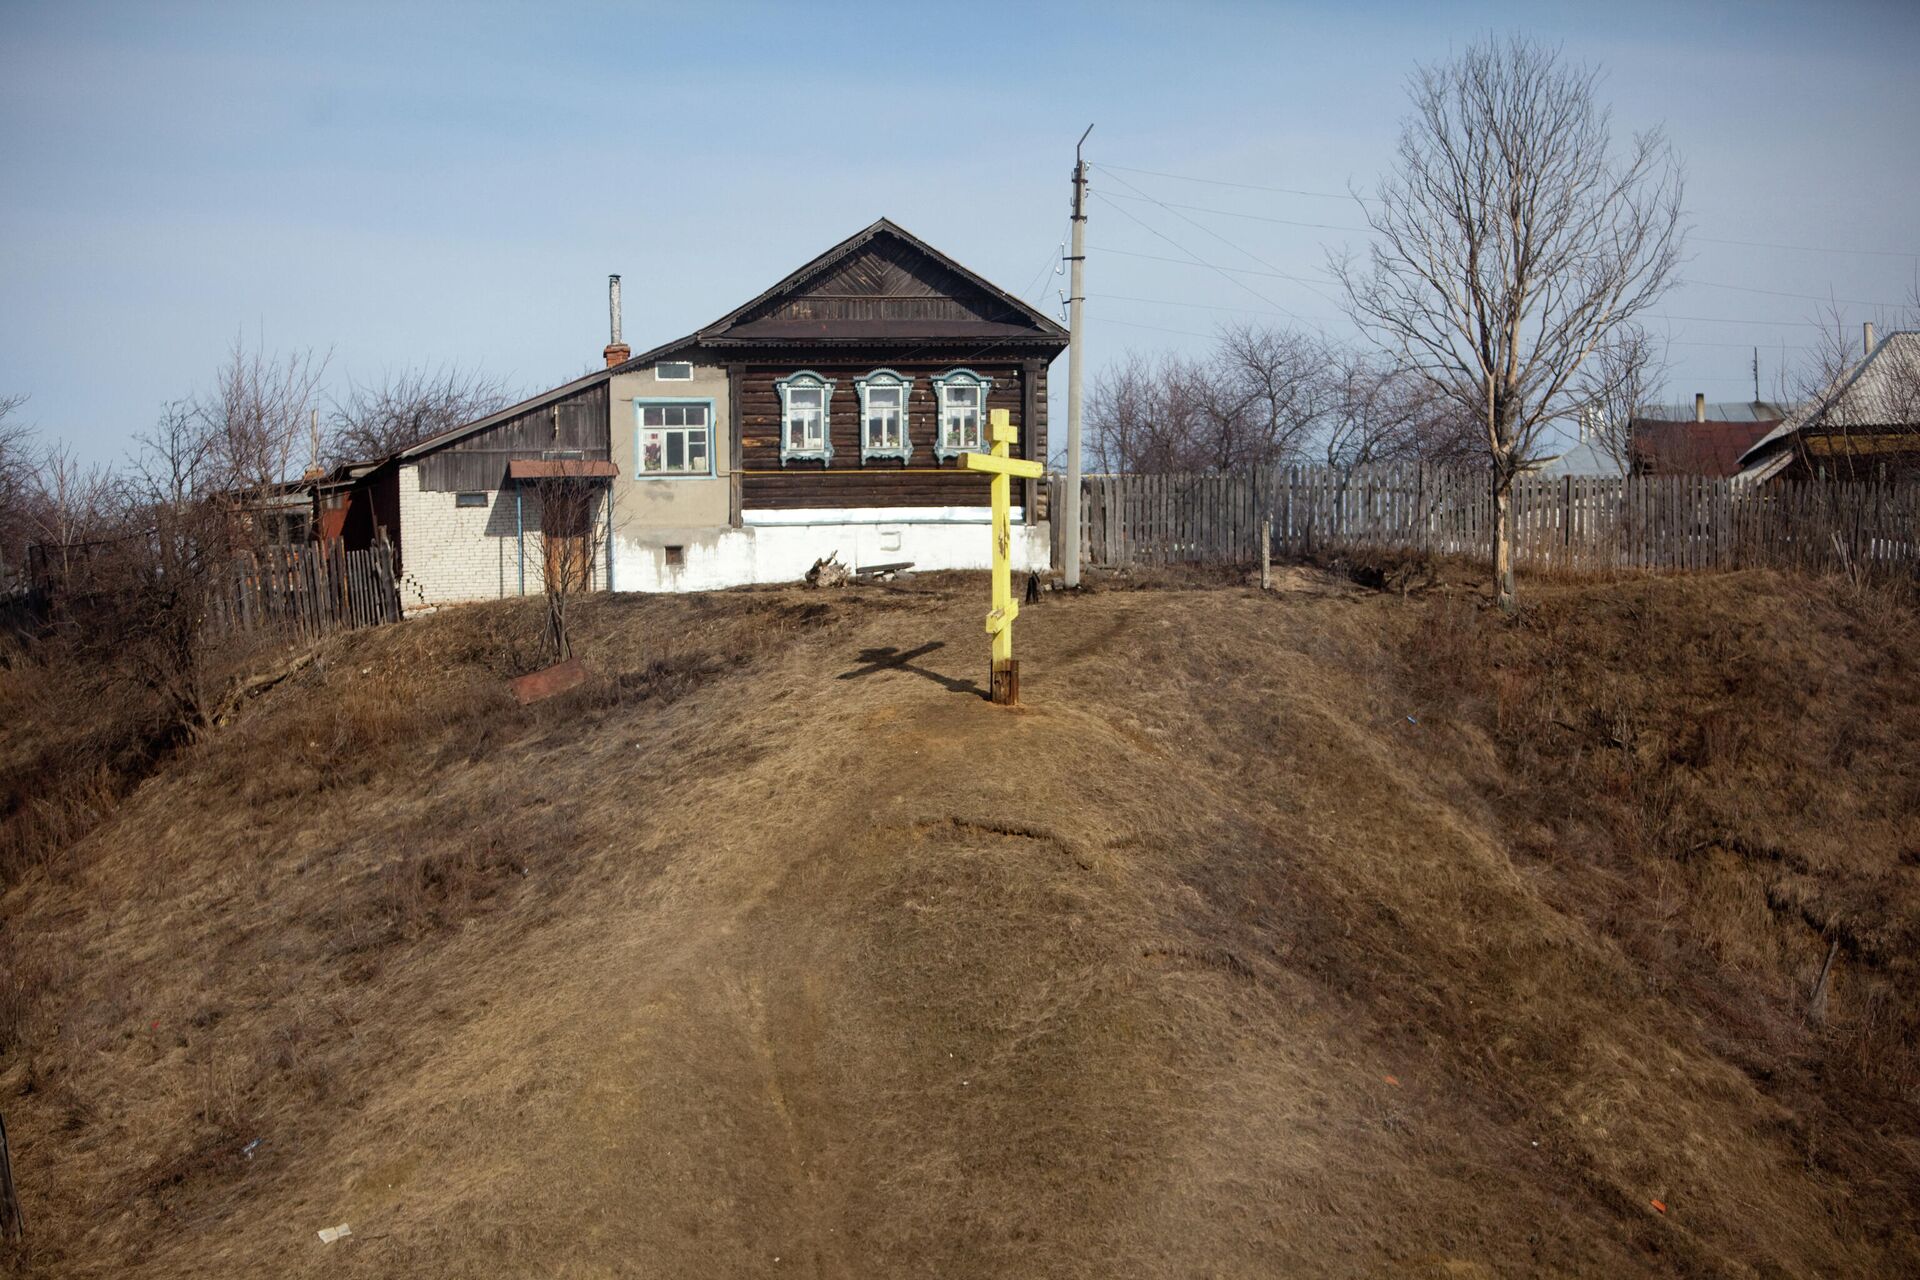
[
  {"x": 673, "y": 371},
  {"x": 469, "y": 499}
]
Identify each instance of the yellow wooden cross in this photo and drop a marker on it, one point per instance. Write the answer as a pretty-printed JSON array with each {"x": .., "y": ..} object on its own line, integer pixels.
[{"x": 1006, "y": 672}]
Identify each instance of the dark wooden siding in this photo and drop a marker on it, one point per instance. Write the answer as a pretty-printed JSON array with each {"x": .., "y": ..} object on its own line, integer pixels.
[
  {"x": 574, "y": 425},
  {"x": 926, "y": 481}
]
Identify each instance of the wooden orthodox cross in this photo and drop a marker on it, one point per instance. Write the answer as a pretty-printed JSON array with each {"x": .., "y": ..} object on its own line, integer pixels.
[{"x": 1006, "y": 672}]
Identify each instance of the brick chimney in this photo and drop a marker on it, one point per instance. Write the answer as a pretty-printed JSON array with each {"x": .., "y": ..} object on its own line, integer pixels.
[
  {"x": 1699, "y": 406},
  {"x": 617, "y": 352}
]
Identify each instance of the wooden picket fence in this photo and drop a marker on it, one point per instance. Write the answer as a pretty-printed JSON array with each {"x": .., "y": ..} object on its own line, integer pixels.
[
  {"x": 307, "y": 590},
  {"x": 1576, "y": 523}
]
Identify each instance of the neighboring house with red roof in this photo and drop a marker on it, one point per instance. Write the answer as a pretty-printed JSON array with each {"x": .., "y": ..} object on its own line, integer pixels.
[{"x": 1699, "y": 440}]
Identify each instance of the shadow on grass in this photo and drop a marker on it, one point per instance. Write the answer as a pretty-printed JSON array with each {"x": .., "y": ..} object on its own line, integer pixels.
[{"x": 892, "y": 659}]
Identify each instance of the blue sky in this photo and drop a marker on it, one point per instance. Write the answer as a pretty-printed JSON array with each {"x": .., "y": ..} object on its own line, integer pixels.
[{"x": 420, "y": 184}]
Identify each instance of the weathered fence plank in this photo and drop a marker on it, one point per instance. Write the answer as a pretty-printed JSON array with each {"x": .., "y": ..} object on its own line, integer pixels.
[
  {"x": 1581, "y": 524},
  {"x": 306, "y": 590}
]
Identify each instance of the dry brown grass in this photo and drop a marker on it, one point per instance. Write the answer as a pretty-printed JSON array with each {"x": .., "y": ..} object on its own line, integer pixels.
[{"x": 1208, "y": 961}]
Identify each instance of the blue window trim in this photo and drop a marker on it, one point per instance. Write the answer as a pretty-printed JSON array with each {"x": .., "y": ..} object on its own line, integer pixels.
[
  {"x": 713, "y": 428},
  {"x": 955, "y": 378},
  {"x": 887, "y": 378},
  {"x": 807, "y": 379}
]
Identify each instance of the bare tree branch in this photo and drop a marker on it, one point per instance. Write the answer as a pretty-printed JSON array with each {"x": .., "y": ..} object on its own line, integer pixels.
[
  {"x": 382, "y": 418},
  {"x": 1625, "y": 372}
]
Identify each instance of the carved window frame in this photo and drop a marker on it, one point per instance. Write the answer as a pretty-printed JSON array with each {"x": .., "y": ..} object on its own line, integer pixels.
[
  {"x": 946, "y": 446},
  {"x": 886, "y": 379},
  {"x": 806, "y": 380}
]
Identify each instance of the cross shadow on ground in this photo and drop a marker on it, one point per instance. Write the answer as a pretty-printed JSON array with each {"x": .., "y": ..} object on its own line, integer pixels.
[{"x": 892, "y": 659}]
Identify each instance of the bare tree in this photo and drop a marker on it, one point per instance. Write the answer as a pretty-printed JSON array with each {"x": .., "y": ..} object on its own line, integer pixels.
[
  {"x": 182, "y": 537},
  {"x": 72, "y": 505},
  {"x": 258, "y": 415},
  {"x": 1141, "y": 416},
  {"x": 403, "y": 409},
  {"x": 1626, "y": 371},
  {"x": 1510, "y": 243},
  {"x": 567, "y": 536},
  {"x": 1268, "y": 390}
]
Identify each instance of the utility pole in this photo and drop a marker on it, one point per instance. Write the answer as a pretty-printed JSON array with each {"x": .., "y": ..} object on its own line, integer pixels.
[
  {"x": 1756, "y": 375},
  {"x": 1075, "y": 362}
]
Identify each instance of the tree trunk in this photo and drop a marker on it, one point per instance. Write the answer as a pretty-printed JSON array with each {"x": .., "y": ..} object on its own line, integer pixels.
[
  {"x": 557, "y": 636},
  {"x": 1503, "y": 594}
]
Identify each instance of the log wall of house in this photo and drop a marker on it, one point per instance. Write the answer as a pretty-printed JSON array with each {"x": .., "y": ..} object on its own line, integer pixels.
[
  {"x": 924, "y": 481},
  {"x": 574, "y": 426}
]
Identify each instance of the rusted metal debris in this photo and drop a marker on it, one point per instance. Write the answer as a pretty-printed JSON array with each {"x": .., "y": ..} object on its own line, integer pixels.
[{"x": 558, "y": 678}]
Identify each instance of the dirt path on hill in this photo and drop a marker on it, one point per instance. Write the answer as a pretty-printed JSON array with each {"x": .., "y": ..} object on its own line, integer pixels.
[{"x": 1161, "y": 974}]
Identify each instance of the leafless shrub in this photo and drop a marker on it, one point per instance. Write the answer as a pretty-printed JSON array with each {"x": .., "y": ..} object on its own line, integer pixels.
[
  {"x": 1376, "y": 413},
  {"x": 1254, "y": 400},
  {"x": 16, "y": 483},
  {"x": 568, "y": 539},
  {"x": 1509, "y": 244},
  {"x": 1262, "y": 397}
]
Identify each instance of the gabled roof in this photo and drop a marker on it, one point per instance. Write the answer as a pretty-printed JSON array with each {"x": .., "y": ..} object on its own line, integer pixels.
[
  {"x": 1011, "y": 322},
  {"x": 1883, "y": 390},
  {"x": 1006, "y": 318}
]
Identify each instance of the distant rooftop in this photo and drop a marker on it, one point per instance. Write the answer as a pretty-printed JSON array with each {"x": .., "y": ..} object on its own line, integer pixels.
[
  {"x": 1585, "y": 459},
  {"x": 1717, "y": 411}
]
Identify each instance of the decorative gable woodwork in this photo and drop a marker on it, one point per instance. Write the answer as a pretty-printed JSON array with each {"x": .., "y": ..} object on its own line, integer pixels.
[{"x": 884, "y": 283}]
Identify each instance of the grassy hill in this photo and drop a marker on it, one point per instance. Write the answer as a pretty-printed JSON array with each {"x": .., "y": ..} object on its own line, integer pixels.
[{"x": 1327, "y": 932}]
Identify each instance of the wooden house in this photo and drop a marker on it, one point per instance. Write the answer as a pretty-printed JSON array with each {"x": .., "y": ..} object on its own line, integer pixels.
[
  {"x": 825, "y": 415},
  {"x": 1866, "y": 426}
]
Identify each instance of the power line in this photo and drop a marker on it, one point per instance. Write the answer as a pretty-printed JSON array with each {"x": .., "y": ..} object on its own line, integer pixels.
[
  {"x": 1281, "y": 275},
  {"x": 1777, "y": 293},
  {"x": 1237, "y": 248},
  {"x": 1244, "y": 186},
  {"x": 1169, "y": 302},
  {"x": 1809, "y": 248},
  {"x": 1241, "y": 271},
  {"x": 1329, "y": 195},
  {"x": 1231, "y": 213},
  {"x": 1777, "y": 324},
  {"x": 1197, "y": 259},
  {"x": 1732, "y": 346},
  {"x": 1201, "y": 306},
  {"x": 1131, "y": 324}
]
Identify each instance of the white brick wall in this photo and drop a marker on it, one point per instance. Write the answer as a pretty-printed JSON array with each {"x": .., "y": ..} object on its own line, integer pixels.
[{"x": 452, "y": 553}]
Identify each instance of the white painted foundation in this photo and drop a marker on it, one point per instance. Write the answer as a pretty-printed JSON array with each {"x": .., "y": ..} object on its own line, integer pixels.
[{"x": 780, "y": 546}]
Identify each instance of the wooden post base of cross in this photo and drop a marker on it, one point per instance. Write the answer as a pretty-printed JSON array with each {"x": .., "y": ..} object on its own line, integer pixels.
[{"x": 1003, "y": 467}]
